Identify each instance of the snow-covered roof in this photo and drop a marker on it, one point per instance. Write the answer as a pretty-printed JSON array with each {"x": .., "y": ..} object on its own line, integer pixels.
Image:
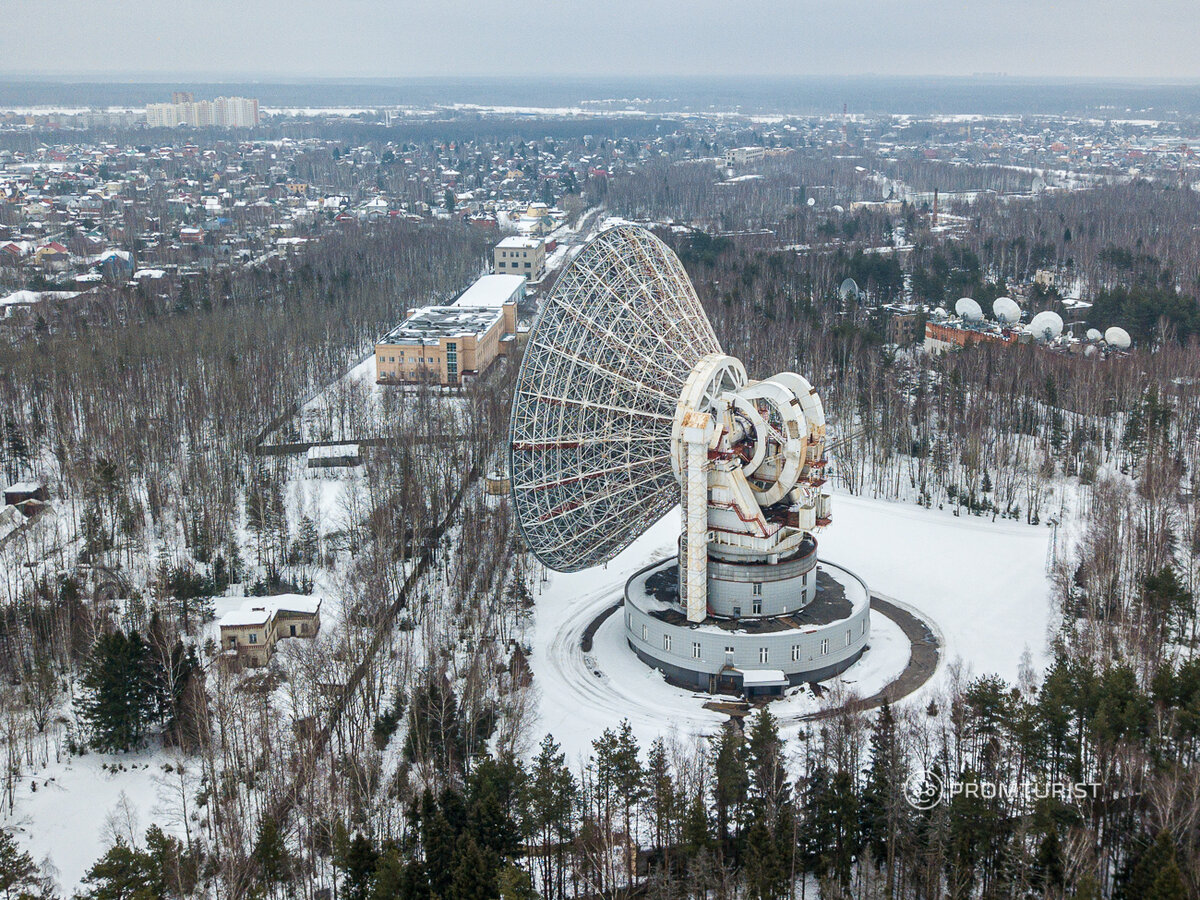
[
  {"x": 520, "y": 243},
  {"x": 763, "y": 678},
  {"x": 333, "y": 451},
  {"x": 426, "y": 326},
  {"x": 23, "y": 298},
  {"x": 24, "y": 487},
  {"x": 298, "y": 603},
  {"x": 492, "y": 291},
  {"x": 260, "y": 610},
  {"x": 247, "y": 615}
]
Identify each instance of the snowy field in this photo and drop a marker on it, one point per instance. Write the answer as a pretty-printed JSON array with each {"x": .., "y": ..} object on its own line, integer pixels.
[
  {"x": 982, "y": 585},
  {"x": 83, "y": 802}
]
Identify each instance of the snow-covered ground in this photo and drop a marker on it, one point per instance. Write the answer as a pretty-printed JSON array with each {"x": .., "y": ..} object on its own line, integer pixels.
[
  {"x": 982, "y": 585},
  {"x": 83, "y": 802}
]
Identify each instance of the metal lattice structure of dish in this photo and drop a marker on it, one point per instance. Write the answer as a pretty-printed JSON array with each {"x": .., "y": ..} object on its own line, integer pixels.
[
  {"x": 596, "y": 396},
  {"x": 625, "y": 406}
]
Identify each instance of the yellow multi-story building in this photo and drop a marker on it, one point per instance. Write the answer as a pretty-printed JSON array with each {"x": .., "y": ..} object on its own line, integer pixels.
[{"x": 448, "y": 344}]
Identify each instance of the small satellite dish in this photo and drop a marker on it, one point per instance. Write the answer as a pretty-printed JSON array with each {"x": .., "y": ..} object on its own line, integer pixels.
[
  {"x": 839, "y": 209},
  {"x": 940, "y": 313},
  {"x": 1046, "y": 326},
  {"x": 1118, "y": 338},
  {"x": 968, "y": 309},
  {"x": 1006, "y": 311},
  {"x": 1094, "y": 335},
  {"x": 812, "y": 201}
]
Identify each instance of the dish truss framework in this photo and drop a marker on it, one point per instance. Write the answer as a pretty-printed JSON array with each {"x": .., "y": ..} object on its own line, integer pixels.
[{"x": 596, "y": 399}]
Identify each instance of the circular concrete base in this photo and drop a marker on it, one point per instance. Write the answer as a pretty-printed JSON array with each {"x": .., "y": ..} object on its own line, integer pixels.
[{"x": 756, "y": 655}]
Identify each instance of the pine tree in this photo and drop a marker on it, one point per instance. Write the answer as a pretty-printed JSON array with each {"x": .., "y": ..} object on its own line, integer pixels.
[
  {"x": 355, "y": 857},
  {"x": 731, "y": 782},
  {"x": 439, "y": 840},
  {"x": 18, "y": 874},
  {"x": 513, "y": 883},
  {"x": 662, "y": 797},
  {"x": 270, "y": 852},
  {"x": 307, "y": 540},
  {"x": 619, "y": 774},
  {"x": 120, "y": 698},
  {"x": 123, "y": 873},
  {"x": 1155, "y": 875},
  {"x": 883, "y": 807},
  {"x": 493, "y": 809},
  {"x": 548, "y": 803},
  {"x": 1048, "y": 864},
  {"x": 473, "y": 878}
]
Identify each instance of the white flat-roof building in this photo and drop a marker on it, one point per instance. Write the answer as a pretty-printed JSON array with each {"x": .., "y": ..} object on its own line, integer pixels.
[
  {"x": 249, "y": 634},
  {"x": 442, "y": 344},
  {"x": 740, "y": 156},
  {"x": 493, "y": 291}
]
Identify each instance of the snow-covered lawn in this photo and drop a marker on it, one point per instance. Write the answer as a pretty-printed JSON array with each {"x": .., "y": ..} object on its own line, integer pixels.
[
  {"x": 81, "y": 802},
  {"x": 982, "y": 585}
]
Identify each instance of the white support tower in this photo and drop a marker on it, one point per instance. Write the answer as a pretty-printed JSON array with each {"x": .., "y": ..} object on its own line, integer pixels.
[{"x": 694, "y": 584}]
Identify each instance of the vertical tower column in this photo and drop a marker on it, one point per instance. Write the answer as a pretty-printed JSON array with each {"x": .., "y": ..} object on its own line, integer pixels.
[{"x": 696, "y": 428}]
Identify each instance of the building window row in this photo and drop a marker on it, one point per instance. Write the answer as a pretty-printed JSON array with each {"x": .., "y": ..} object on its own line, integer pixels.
[{"x": 764, "y": 653}]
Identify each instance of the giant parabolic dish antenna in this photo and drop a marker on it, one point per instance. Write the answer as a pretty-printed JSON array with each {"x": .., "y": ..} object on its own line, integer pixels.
[
  {"x": 625, "y": 406},
  {"x": 596, "y": 398}
]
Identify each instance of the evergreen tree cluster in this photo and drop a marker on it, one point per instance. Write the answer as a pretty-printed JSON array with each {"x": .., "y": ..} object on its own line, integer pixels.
[{"x": 130, "y": 687}]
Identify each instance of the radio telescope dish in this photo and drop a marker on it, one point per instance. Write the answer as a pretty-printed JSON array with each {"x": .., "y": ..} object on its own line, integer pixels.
[
  {"x": 968, "y": 309},
  {"x": 1046, "y": 326},
  {"x": 849, "y": 290},
  {"x": 1117, "y": 338},
  {"x": 1094, "y": 335},
  {"x": 596, "y": 397},
  {"x": 1006, "y": 311}
]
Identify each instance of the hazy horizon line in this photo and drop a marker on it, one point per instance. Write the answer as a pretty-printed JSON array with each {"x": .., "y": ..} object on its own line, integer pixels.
[{"x": 208, "y": 77}]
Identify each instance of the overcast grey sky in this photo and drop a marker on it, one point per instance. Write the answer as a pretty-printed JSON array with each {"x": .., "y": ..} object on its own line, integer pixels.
[{"x": 227, "y": 39}]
